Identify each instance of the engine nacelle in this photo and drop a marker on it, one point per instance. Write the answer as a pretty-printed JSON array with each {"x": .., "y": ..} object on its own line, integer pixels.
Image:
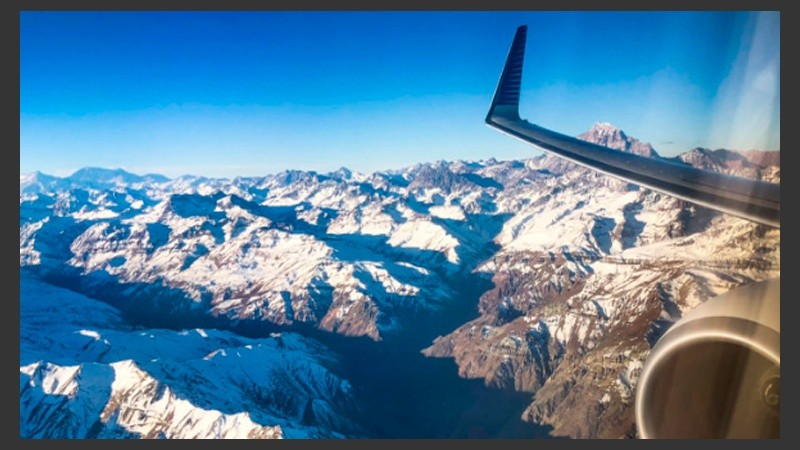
[{"x": 716, "y": 372}]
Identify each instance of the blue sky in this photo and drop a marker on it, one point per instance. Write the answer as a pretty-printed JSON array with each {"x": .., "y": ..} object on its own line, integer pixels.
[{"x": 251, "y": 93}]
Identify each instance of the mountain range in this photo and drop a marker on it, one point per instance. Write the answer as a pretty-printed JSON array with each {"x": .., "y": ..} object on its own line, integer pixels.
[{"x": 534, "y": 276}]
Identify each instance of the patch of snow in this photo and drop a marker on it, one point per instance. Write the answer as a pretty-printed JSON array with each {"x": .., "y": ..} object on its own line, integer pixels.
[{"x": 90, "y": 333}]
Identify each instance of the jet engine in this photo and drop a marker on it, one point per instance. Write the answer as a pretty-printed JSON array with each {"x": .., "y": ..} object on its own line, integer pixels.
[{"x": 716, "y": 372}]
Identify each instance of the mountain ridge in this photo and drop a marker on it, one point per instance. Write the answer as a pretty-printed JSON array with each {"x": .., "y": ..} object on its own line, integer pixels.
[{"x": 602, "y": 133}]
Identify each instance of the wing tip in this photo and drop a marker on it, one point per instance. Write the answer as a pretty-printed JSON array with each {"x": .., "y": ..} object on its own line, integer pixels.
[{"x": 506, "y": 97}]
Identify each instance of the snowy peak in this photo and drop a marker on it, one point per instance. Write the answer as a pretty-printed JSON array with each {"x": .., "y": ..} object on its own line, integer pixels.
[
  {"x": 38, "y": 182},
  {"x": 763, "y": 158},
  {"x": 719, "y": 159},
  {"x": 86, "y": 178},
  {"x": 113, "y": 176},
  {"x": 437, "y": 175},
  {"x": 66, "y": 402},
  {"x": 606, "y": 134},
  {"x": 101, "y": 174},
  {"x": 756, "y": 164},
  {"x": 298, "y": 177},
  {"x": 345, "y": 174},
  {"x": 33, "y": 177}
]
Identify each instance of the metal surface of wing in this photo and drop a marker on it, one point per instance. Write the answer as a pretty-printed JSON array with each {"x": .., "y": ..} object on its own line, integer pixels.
[{"x": 754, "y": 200}]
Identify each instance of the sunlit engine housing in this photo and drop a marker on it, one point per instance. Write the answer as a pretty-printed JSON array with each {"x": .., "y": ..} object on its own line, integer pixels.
[{"x": 716, "y": 372}]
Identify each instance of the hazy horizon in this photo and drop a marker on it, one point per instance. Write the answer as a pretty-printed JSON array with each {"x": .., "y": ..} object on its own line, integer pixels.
[{"x": 65, "y": 174}]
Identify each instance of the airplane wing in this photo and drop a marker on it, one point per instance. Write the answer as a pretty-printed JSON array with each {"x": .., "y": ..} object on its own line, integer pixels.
[{"x": 757, "y": 201}]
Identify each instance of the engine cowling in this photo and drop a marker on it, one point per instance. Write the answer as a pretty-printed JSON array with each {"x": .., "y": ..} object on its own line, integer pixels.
[{"x": 716, "y": 372}]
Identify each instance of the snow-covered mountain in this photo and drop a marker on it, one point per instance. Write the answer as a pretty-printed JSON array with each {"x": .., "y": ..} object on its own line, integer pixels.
[
  {"x": 751, "y": 164},
  {"x": 587, "y": 271},
  {"x": 604, "y": 133},
  {"x": 88, "y": 177},
  {"x": 342, "y": 254},
  {"x": 85, "y": 372}
]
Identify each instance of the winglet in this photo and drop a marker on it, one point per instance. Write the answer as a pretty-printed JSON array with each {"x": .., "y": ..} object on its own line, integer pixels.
[{"x": 506, "y": 97}]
